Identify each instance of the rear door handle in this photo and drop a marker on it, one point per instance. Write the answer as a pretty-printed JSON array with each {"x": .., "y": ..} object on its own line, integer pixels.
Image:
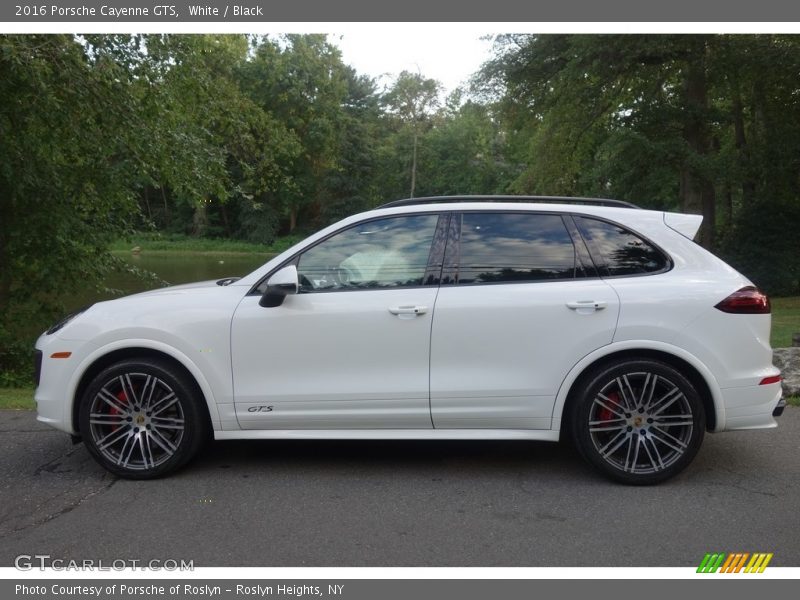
[
  {"x": 587, "y": 305},
  {"x": 408, "y": 311}
]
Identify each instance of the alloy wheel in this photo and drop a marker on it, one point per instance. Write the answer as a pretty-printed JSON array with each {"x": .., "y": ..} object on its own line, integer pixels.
[{"x": 136, "y": 421}]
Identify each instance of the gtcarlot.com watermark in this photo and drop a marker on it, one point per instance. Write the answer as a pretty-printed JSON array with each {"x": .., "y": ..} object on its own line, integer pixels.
[{"x": 42, "y": 562}]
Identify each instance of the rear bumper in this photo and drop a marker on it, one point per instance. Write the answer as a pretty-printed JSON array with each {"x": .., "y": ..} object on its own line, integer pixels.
[
  {"x": 778, "y": 411},
  {"x": 752, "y": 407}
]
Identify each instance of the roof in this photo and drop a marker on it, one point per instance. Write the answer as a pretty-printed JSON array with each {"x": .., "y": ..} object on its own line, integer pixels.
[{"x": 510, "y": 199}]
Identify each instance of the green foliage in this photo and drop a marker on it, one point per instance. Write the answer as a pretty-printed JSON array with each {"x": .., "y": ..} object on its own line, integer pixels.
[
  {"x": 410, "y": 104},
  {"x": 759, "y": 245},
  {"x": 700, "y": 123},
  {"x": 301, "y": 81},
  {"x": 258, "y": 221},
  {"x": 67, "y": 167},
  {"x": 464, "y": 153}
]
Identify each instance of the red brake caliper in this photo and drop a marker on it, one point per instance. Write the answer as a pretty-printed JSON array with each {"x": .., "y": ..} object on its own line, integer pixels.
[
  {"x": 123, "y": 398},
  {"x": 605, "y": 414}
]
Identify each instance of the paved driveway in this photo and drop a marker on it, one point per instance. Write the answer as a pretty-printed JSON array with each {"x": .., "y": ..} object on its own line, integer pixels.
[{"x": 295, "y": 503}]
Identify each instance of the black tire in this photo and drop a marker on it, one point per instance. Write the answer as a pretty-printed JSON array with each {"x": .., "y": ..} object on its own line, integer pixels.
[
  {"x": 141, "y": 419},
  {"x": 639, "y": 422}
]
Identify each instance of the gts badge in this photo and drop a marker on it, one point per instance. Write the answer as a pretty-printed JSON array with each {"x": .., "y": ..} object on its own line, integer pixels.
[{"x": 259, "y": 409}]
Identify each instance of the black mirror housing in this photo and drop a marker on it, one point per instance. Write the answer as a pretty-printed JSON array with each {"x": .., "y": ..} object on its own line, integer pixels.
[{"x": 281, "y": 284}]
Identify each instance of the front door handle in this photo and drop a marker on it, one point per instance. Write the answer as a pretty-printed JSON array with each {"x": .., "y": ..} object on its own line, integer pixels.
[
  {"x": 587, "y": 306},
  {"x": 408, "y": 311}
]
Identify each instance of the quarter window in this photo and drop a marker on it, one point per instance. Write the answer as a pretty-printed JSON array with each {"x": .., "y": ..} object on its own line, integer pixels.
[
  {"x": 384, "y": 253},
  {"x": 513, "y": 247},
  {"x": 617, "y": 251}
]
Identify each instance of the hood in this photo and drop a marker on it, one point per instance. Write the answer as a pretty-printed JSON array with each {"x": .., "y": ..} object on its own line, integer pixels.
[{"x": 178, "y": 289}]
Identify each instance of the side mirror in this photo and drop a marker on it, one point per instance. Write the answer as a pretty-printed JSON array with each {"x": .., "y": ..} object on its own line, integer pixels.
[{"x": 280, "y": 285}]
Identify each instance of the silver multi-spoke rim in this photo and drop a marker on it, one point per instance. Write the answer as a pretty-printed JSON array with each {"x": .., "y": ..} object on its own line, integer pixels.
[
  {"x": 641, "y": 423},
  {"x": 136, "y": 421}
]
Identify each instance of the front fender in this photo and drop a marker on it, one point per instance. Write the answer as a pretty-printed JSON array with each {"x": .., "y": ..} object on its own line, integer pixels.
[{"x": 149, "y": 344}]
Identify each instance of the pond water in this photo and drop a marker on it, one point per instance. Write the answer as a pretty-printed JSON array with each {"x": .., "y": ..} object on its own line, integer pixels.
[
  {"x": 188, "y": 267},
  {"x": 174, "y": 268}
]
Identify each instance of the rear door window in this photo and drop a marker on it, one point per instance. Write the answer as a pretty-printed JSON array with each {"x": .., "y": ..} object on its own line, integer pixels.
[{"x": 511, "y": 248}]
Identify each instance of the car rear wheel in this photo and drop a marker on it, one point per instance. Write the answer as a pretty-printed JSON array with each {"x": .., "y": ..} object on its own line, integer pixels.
[
  {"x": 141, "y": 419},
  {"x": 639, "y": 422}
]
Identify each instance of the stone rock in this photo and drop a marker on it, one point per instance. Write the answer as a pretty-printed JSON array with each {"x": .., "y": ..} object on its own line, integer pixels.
[{"x": 788, "y": 361}]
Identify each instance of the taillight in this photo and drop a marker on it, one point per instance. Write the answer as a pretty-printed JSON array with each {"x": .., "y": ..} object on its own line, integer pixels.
[{"x": 746, "y": 301}]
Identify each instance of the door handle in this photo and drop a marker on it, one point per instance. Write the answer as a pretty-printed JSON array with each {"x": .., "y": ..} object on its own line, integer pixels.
[
  {"x": 408, "y": 310},
  {"x": 587, "y": 305}
]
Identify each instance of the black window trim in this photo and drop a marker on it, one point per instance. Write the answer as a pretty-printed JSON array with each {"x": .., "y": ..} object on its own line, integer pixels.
[
  {"x": 437, "y": 248},
  {"x": 452, "y": 226}
]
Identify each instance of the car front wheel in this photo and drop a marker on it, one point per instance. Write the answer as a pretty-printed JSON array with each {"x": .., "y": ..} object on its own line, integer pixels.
[
  {"x": 639, "y": 422},
  {"x": 140, "y": 419}
]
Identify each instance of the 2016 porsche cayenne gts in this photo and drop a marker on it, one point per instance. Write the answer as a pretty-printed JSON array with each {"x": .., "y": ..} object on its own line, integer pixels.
[{"x": 478, "y": 318}]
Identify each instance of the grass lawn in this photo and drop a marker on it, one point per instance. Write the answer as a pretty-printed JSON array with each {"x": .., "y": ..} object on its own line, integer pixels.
[
  {"x": 17, "y": 398},
  {"x": 785, "y": 320}
]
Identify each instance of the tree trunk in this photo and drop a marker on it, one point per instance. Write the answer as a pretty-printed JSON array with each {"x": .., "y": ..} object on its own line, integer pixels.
[
  {"x": 225, "y": 221},
  {"x": 697, "y": 189},
  {"x": 728, "y": 206},
  {"x": 166, "y": 208},
  {"x": 292, "y": 219},
  {"x": 414, "y": 165},
  {"x": 147, "y": 204},
  {"x": 200, "y": 219},
  {"x": 691, "y": 200},
  {"x": 6, "y": 214},
  {"x": 743, "y": 152},
  {"x": 708, "y": 197}
]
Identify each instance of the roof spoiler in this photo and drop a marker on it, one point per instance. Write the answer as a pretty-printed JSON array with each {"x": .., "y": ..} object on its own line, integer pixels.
[{"x": 686, "y": 225}]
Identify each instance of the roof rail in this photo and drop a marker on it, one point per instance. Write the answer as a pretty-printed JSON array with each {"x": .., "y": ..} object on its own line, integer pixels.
[{"x": 520, "y": 199}]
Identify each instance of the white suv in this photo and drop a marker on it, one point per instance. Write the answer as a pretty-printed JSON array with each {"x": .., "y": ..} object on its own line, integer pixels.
[{"x": 478, "y": 318}]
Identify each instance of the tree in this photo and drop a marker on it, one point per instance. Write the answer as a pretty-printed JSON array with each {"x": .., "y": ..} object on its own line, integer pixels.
[
  {"x": 301, "y": 81},
  {"x": 68, "y": 162},
  {"x": 411, "y": 99},
  {"x": 666, "y": 121},
  {"x": 466, "y": 151},
  {"x": 355, "y": 182},
  {"x": 212, "y": 142}
]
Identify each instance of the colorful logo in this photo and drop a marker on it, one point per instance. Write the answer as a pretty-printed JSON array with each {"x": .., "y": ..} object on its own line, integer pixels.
[{"x": 734, "y": 563}]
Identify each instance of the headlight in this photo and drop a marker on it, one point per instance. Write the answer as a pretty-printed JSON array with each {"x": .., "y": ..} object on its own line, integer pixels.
[{"x": 67, "y": 319}]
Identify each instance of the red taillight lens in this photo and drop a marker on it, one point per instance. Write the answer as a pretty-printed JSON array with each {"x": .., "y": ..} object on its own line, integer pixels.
[
  {"x": 746, "y": 301},
  {"x": 771, "y": 380}
]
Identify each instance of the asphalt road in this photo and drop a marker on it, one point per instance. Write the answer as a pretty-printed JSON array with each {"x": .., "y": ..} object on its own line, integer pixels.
[{"x": 296, "y": 503}]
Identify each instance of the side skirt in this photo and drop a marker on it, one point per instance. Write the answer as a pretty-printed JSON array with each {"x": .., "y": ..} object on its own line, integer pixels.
[{"x": 544, "y": 435}]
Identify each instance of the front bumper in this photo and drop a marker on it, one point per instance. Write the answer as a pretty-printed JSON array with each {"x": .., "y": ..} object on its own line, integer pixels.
[{"x": 53, "y": 391}]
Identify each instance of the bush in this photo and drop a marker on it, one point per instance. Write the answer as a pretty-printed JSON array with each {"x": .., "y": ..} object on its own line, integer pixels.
[
  {"x": 258, "y": 222},
  {"x": 763, "y": 245},
  {"x": 16, "y": 360}
]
